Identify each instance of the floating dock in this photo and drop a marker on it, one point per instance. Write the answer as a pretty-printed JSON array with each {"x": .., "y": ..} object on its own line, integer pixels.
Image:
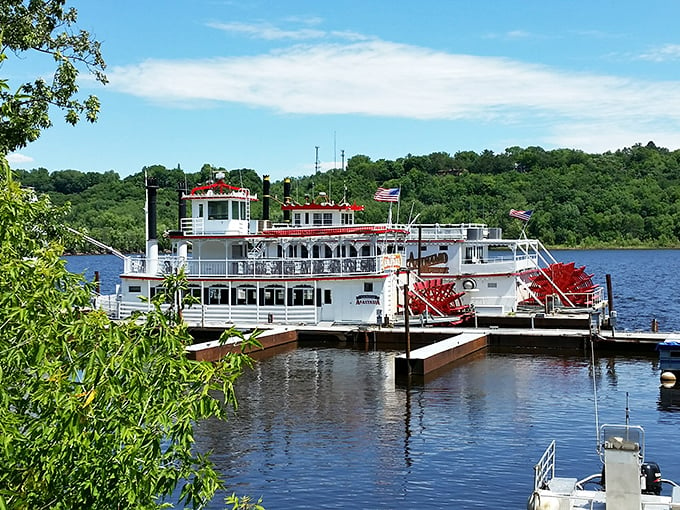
[
  {"x": 425, "y": 360},
  {"x": 213, "y": 350},
  {"x": 430, "y": 347}
]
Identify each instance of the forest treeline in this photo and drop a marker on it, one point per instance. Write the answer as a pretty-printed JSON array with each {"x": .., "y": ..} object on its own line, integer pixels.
[{"x": 627, "y": 198}]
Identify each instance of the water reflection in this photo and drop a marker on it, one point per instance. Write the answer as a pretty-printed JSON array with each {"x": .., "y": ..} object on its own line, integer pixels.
[
  {"x": 669, "y": 397},
  {"x": 321, "y": 427}
]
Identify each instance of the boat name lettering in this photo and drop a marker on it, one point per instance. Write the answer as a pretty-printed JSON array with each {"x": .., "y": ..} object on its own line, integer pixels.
[{"x": 368, "y": 299}]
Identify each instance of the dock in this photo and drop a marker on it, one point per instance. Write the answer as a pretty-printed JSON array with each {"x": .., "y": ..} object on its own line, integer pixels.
[
  {"x": 270, "y": 338},
  {"x": 431, "y": 347},
  {"x": 425, "y": 360}
]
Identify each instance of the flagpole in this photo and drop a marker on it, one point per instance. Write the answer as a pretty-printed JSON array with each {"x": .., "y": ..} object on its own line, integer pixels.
[
  {"x": 398, "y": 203},
  {"x": 523, "y": 234}
]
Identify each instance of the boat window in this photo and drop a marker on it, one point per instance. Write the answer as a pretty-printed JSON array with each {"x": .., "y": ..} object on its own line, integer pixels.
[
  {"x": 315, "y": 251},
  {"x": 327, "y": 297},
  {"x": 316, "y": 219},
  {"x": 292, "y": 251},
  {"x": 328, "y": 252},
  {"x": 274, "y": 296},
  {"x": 235, "y": 211},
  {"x": 297, "y": 219},
  {"x": 368, "y": 286},
  {"x": 217, "y": 295},
  {"x": 346, "y": 219},
  {"x": 237, "y": 251},
  {"x": 304, "y": 252},
  {"x": 492, "y": 285},
  {"x": 444, "y": 247},
  {"x": 473, "y": 254},
  {"x": 246, "y": 295},
  {"x": 135, "y": 288},
  {"x": 327, "y": 218},
  {"x": 218, "y": 211},
  {"x": 365, "y": 250},
  {"x": 303, "y": 296}
]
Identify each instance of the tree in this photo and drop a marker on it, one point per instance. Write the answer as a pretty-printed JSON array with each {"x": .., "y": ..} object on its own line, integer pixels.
[
  {"x": 94, "y": 414},
  {"x": 44, "y": 27}
]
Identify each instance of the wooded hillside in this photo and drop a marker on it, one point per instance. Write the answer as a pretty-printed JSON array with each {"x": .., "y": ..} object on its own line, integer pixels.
[{"x": 627, "y": 198}]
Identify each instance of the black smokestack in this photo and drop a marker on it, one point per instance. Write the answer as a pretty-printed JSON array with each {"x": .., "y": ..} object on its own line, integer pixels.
[
  {"x": 151, "y": 187},
  {"x": 265, "y": 197},
  {"x": 286, "y": 198},
  {"x": 181, "y": 205}
]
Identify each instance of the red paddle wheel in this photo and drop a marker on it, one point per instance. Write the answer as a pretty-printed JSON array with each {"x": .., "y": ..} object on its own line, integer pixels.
[
  {"x": 433, "y": 296},
  {"x": 562, "y": 279}
]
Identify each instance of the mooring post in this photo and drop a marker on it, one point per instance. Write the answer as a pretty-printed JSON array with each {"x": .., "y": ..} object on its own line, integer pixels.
[
  {"x": 610, "y": 294},
  {"x": 420, "y": 242},
  {"x": 407, "y": 332}
]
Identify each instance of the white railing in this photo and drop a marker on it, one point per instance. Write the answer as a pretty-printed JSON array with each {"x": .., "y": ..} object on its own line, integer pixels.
[
  {"x": 544, "y": 470},
  {"x": 448, "y": 231},
  {"x": 258, "y": 267},
  {"x": 223, "y": 315},
  {"x": 192, "y": 225}
]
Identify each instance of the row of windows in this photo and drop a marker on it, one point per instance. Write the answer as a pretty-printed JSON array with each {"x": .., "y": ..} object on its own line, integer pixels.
[
  {"x": 323, "y": 251},
  {"x": 300, "y": 219},
  {"x": 269, "y": 296},
  {"x": 249, "y": 295}
]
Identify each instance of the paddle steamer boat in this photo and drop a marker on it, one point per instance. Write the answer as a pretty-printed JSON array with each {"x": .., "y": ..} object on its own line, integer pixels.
[{"x": 319, "y": 266}]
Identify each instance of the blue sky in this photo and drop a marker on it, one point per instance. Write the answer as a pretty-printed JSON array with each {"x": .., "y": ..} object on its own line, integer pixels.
[{"x": 259, "y": 84}]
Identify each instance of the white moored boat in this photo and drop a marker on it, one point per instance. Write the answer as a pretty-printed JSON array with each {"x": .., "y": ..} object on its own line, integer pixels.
[
  {"x": 626, "y": 482},
  {"x": 317, "y": 266}
]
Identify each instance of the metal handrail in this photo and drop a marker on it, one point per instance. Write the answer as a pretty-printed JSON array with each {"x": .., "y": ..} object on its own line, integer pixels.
[{"x": 544, "y": 470}]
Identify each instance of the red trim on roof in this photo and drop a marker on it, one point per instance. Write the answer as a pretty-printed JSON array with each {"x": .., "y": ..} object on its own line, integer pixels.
[
  {"x": 331, "y": 231},
  {"x": 221, "y": 185}
]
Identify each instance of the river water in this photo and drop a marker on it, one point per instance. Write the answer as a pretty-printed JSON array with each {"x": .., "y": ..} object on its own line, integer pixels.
[{"x": 327, "y": 426}]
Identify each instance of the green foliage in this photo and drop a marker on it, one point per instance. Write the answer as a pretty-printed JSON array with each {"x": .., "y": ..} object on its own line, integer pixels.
[
  {"x": 45, "y": 28},
  {"x": 243, "y": 503},
  {"x": 95, "y": 414},
  {"x": 628, "y": 198}
]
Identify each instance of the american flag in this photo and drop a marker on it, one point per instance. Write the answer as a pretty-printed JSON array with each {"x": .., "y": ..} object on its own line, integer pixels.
[
  {"x": 387, "y": 195},
  {"x": 522, "y": 215}
]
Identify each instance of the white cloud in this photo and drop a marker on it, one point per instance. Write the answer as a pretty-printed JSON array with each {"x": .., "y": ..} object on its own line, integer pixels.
[
  {"x": 378, "y": 78},
  {"x": 513, "y": 34},
  {"x": 267, "y": 31},
  {"x": 667, "y": 52},
  {"x": 270, "y": 32},
  {"x": 16, "y": 158},
  {"x": 601, "y": 136}
]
